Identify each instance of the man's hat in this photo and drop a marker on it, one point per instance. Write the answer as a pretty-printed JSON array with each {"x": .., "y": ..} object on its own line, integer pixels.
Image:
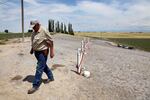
[{"x": 33, "y": 23}]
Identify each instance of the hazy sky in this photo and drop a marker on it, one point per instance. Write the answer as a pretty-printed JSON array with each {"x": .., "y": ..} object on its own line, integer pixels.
[{"x": 85, "y": 15}]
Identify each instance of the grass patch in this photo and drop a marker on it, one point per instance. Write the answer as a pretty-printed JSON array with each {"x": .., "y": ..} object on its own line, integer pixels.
[
  {"x": 137, "y": 40},
  {"x": 6, "y": 36},
  {"x": 143, "y": 44},
  {"x": 105, "y": 35}
]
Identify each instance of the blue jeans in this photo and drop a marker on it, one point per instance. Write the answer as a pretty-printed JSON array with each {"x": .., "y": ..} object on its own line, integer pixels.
[{"x": 41, "y": 66}]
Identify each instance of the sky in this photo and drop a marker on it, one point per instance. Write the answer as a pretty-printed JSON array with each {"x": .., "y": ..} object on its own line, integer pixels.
[{"x": 85, "y": 15}]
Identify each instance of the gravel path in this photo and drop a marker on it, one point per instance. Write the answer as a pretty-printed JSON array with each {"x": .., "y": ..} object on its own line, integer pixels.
[{"x": 116, "y": 73}]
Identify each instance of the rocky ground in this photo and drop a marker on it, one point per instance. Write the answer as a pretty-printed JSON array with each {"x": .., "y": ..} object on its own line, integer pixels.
[{"x": 116, "y": 73}]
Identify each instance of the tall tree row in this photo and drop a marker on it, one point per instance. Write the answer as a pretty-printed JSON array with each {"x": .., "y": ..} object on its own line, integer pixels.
[
  {"x": 70, "y": 30},
  {"x": 57, "y": 28},
  {"x": 60, "y": 27},
  {"x": 65, "y": 29},
  {"x": 51, "y": 25}
]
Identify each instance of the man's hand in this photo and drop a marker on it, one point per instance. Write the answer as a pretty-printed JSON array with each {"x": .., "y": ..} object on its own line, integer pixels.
[
  {"x": 51, "y": 52},
  {"x": 31, "y": 51}
]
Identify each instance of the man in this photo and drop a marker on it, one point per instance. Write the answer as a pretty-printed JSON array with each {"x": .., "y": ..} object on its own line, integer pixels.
[{"x": 41, "y": 41}]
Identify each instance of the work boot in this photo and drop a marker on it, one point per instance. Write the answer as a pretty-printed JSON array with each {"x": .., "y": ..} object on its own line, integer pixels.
[
  {"x": 47, "y": 81},
  {"x": 32, "y": 90}
]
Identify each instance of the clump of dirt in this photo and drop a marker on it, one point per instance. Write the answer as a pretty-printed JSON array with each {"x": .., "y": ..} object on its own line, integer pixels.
[
  {"x": 56, "y": 66},
  {"x": 21, "y": 54},
  {"x": 2, "y": 43},
  {"x": 6, "y": 40},
  {"x": 17, "y": 41},
  {"x": 61, "y": 53},
  {"x": 16, "y": 78}
]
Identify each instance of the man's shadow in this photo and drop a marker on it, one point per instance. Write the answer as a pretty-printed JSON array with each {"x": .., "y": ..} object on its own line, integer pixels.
[{"x": 30, "y": 79}]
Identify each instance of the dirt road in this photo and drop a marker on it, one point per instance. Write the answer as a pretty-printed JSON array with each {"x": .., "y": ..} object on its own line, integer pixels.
[{"x": 116, "y": 74}]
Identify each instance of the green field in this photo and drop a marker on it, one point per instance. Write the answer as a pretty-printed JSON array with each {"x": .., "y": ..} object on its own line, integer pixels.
[
  {"x": 106, "y": 35},
  {"x": 137, "y": 40},
  {"x": 5, "y": 36},
  {"x": 143, "y": 44}
]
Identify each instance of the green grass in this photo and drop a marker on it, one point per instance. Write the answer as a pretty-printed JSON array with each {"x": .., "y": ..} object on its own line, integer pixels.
[
  {"x": 143, "y": 44},
  {"x": 137, "y": 40},
  {"x": 106, "y": 35},
  {"x": 5, "y": 36}
]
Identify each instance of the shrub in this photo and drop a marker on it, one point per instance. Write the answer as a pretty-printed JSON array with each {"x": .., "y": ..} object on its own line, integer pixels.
[{"x": 6, "y": 31}]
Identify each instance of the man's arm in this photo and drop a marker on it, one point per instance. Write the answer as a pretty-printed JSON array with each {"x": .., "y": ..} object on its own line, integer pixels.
[
  {"x": 31, "y": 51},
  {"x": 50, "y": 43},
  {"x": 48, "y": 35},
  {"x": 51, "y": 46}
]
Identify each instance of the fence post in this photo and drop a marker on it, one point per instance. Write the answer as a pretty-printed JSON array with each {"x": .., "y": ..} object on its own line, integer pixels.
[
  {"x": 82, "y": 46},
  {"x": 78, "y": 60}
]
